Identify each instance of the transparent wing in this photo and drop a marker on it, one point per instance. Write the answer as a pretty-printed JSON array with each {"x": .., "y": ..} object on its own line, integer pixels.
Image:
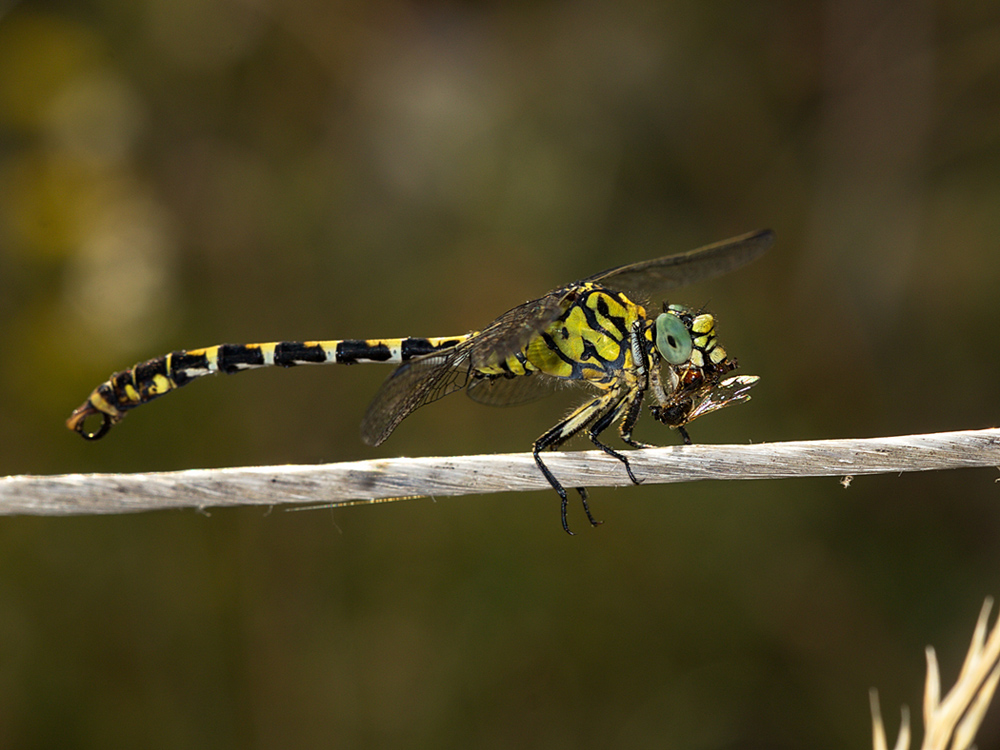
[
  {"x": 429, "y": 378},
  {"x": 513, "y": 391},
  {"x": 649, "y": 277},
  {"x": 512, "y": 331},
  {"x": 426, "y": 379},
  {"x": 412, "y": 385}
]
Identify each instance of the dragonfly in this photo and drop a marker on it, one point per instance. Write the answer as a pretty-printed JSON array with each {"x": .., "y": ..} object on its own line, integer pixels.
[{"x": 596, "y": 332}]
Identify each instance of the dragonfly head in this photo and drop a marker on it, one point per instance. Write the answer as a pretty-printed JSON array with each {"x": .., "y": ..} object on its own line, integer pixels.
[
  {"x": 685, "y": 339},
  {"x": 696, "y": 363}
]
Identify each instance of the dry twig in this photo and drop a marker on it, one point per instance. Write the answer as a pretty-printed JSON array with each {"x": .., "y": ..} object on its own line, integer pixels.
[{"x": 396, "y": 478}]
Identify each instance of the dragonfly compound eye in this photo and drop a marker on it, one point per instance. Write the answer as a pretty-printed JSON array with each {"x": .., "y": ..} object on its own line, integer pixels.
[{"x": 673, "y": 339}]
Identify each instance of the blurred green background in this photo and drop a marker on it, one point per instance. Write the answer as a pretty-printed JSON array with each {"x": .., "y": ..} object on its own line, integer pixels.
[{"x": 178, "y": 173}]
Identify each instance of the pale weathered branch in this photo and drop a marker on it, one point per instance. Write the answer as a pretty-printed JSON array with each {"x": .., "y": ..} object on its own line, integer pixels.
[{"x": 396, "y": 478}]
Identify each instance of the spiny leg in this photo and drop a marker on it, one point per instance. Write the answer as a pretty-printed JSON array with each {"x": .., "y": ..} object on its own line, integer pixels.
[
  {"x": 586, "y": 506},
  {"x": 628, "y": 423},
  {"x": 564, "y": 500},
  {"x": 558, "y": 435},
  {"x": 604, "y": 421}
]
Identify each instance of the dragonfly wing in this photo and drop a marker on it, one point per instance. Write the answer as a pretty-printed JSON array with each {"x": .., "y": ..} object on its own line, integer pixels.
[
  {"x": 429, "y": 378},
  {"x": 412, "y": 385},
  {"x": 649, "y": 277},
  {"x": 512, "y": 331},
  {"x": 513, "y": 391},
  {"x": 426, "y": 379}
]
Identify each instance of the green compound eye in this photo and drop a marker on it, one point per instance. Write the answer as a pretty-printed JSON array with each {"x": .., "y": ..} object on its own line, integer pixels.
[{"x": 673, "y": 340}]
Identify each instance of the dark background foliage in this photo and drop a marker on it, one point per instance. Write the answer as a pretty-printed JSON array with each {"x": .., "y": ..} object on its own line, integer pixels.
[{"x": 177, "y": 173}]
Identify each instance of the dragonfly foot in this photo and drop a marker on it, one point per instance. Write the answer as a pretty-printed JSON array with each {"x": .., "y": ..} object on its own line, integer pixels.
[{"x": 586, "y": 507}]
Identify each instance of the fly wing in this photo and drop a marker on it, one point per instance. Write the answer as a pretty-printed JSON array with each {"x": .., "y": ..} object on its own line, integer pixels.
[
  {"x": 649, "y": 277},
  {"x": 734, "y": 390}
]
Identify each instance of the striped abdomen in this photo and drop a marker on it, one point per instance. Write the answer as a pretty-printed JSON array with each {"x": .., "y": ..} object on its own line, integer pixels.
[{"x": 148, "y": 380}]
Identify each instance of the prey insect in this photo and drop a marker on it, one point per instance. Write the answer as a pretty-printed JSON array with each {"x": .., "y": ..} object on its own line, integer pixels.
[{"x": 596, "y": 331}]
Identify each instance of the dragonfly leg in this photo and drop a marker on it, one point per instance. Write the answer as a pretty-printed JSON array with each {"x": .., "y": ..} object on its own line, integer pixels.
[
  {"x": 562, "y": 432},
  {"x": 557, "y": 486},
  {"x": 607, "y": 418},
  {"x": 586, "y": 507},
  {"x": 684, "y": 436},
  {"x": 612, "y": 452},
  {"x": 627, "y": 439},
  {"x": 628, "y": 423}
]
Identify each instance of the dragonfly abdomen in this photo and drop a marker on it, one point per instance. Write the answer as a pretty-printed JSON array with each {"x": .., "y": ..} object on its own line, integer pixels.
[
  {"x": 153, "y": 378},
  {"x": 230, "y": 358}
]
